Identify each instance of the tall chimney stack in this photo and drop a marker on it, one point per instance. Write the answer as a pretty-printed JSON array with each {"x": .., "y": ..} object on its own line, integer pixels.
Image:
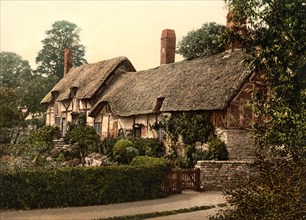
[
  {"x": 67, "y": 61},
  {"x": 167, "y": 51},
  {"x": 236, "y": 25}
]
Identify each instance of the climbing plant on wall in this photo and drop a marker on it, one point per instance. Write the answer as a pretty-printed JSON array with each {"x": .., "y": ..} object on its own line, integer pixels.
[{"x": 192, "y": 127}]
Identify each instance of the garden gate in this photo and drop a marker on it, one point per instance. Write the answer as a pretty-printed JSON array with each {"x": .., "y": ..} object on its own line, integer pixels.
[{"x": 182, "y": 179}]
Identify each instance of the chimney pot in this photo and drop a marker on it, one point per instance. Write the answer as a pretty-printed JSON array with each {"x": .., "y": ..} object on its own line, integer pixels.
[
  {"x": 167, "y": 51},
  {"x": 67, "y": 61}
]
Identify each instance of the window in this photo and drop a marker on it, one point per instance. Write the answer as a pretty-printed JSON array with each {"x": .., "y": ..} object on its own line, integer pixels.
[
  {"x": 98, "y": 127},
  {"x": 57, "y": 121},
  {"x": 74, "y": 117},
  {"x": 137, "y": 130},
  {"x": 160, "y": 134}
]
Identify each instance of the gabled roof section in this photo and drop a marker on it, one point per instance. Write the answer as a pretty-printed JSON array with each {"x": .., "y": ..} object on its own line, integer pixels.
[
  {"x": 203, "y": 84},
  {"x": 87, "y": 79}
]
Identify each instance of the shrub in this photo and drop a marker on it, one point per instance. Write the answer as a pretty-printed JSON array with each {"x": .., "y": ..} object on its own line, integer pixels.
[
  {"x": 42, "y": 139},
  {"x": 200, "y": 154},
  {"x": 83, "y": 136},
  {"x": 80, "y": 186},
  {"x": 176, "y": 161},
  {"x": 149, "y": 146},
  {"x": 46, "y": 134},
  {"x": 217, "y": 150},
  {"x": 145, "y": 146},
  {"x": 107, "y": 145},
  {"x": 8, "y": 149},
  {"x": 276, "y": 192},
  {"x": 120, "y": 151},
  {"x": 131, "y": 152}
]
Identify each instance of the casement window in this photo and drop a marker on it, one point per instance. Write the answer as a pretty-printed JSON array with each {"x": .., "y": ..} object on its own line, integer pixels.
[
  {"x": 74, "y": 117},
  {"x": 98, "y": 127},
  {"x": 137, "y": 130},
  {"x": 57, "y": 121}
]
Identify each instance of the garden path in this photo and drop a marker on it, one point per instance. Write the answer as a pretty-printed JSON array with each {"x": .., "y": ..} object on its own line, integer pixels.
[{"x": 187, "y": 199}]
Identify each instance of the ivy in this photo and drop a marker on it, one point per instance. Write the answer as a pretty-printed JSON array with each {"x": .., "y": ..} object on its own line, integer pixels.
[{"x": 193, "y": 127}]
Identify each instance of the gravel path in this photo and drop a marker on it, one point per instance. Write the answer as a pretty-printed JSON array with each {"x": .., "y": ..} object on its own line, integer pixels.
[{"x": 185, "y": 200}]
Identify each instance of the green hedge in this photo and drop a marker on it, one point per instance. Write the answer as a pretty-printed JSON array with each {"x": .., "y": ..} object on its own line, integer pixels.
[
  {"x": 80, "y": 186},
  {"x": 148, "y": 161}
]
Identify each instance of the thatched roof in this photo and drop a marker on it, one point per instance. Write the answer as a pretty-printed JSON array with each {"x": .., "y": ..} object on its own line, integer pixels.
[
  {"x": 87, "y": 79},
  {"x": 202, "y": 84}
]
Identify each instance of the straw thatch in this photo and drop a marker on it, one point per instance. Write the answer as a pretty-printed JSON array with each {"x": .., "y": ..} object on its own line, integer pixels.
[
  {"x": 87, "y": 79},
  {"x": 203, "y": 84}
]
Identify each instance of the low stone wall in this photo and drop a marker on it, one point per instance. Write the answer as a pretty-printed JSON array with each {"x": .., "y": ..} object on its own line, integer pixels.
[{"x": 217, "y": 175}]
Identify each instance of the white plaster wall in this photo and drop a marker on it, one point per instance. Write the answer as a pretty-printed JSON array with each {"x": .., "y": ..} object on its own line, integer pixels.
[
  {"x": 104, "y": 126},
  {"x": 89, "y": 120},
  {"x": 126, "y": 122}
]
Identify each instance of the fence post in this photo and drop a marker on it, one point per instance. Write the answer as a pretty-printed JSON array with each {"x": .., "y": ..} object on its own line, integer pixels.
[
  {"x": 179, "y": 181},
  {"x": 197, "y": 179}
]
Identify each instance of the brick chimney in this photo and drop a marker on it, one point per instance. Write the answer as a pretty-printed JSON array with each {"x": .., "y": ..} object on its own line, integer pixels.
[
  {"x": 67, "y": 61},
  {"x": 167, "y": 51},
  {"x": 236, "y": 25}
]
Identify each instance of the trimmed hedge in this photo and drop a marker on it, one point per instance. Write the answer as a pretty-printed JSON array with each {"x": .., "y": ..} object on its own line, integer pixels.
[
  {"x": 148, "y": 161},
  {"x": 80, "y": 186}
]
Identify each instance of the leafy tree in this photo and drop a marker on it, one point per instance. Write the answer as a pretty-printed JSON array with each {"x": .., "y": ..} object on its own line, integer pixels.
[
  {"x": 14, "y": 71},
  {"x": 30, "y": 88},
  {"x": 33, "y": 91},
  {"x": 276, "y": 39},
  {"x": 277, "y": 43},
  {"x": 63, "y": 35},
  {"x": 10, "y": 114},
  {"x": 202, "y": 42},
  {"x": 84, "y": 137}
]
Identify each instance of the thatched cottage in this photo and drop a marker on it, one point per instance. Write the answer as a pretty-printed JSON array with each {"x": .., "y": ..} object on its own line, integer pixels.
[
  {"x": 80, "y": 89},
  {"x": 115, "y": 98}
]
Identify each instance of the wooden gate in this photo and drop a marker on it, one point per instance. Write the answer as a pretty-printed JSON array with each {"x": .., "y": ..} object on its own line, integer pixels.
[{"x": 182, "y": 179}]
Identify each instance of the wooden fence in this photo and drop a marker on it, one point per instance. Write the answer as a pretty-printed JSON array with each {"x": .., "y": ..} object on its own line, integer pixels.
[{"x": 182, "y": 179}]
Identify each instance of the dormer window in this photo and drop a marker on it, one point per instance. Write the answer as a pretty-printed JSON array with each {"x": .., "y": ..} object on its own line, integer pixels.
[
  {"x": 73, "y": 91},
  {"x": 159, "y": 104},
  {"x": 54, "y": 94}
]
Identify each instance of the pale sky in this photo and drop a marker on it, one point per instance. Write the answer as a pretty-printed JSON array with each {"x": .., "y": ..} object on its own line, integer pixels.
[{"x": 108, "y": 28}]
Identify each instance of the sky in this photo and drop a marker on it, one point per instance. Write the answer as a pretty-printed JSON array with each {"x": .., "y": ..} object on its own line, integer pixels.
[{"x": 108, "y": 28}]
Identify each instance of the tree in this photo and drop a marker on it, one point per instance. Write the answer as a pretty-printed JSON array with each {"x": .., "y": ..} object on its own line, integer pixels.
[
  {"x": 63, "y": 35},
  {"x": 33, "y": 91},
  {"x": 276, "y": 40},
  {"x": 84, "y": 137},
  {"x": 29, "y": 88},
  {"x": 10, "y": 114},
  {"x": 277, "y": 43},
  {"x": 14, "y": 71},
  {"x": 202, "y": 42},
  {"x": 15, "y": 74}
]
